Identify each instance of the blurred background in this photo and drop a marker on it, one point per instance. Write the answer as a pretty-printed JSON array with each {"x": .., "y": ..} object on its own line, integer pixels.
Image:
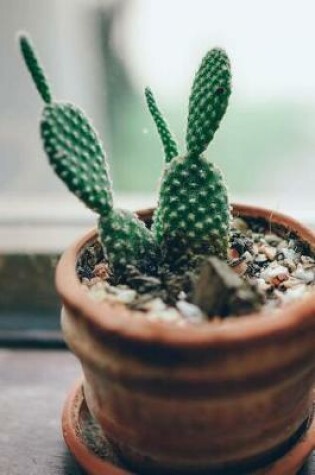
[{"x": 101, "y": 54}]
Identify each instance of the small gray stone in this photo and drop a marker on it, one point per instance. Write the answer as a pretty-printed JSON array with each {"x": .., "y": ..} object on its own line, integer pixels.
[
  {"x": 219, "y": 291},
  {"x": 240, "y": 224}
]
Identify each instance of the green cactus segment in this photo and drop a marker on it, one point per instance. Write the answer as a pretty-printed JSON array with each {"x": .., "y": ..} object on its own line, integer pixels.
[
  {"x": 169, "y": 144},
  {"x": 193, "y": 214},
  {"x": 127, "y": 241},
  {"x": 35, "y": 69},
  {"x": 76, "y": 155},
  {"x": 208, "y": 100}
]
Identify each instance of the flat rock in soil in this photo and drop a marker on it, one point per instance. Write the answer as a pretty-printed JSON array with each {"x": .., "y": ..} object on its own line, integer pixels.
[{"x": 219, "y": 291}]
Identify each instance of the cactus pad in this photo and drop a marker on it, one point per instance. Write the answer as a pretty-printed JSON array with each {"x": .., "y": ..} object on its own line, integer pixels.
[
  {"x": 193, "y": 213},
  {"x": 35, "y": 68},
  {"x": 169, "y": 144},
  {"x": 76, "y": 155},
  {"x": 208, "y": 100}
]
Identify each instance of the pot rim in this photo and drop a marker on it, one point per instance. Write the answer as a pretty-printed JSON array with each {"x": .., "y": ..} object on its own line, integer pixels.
[{"x": 126, "y": 324}]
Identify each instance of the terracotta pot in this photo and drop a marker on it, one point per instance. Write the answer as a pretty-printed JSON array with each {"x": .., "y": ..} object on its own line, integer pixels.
[{"x": 207, "y": 397}]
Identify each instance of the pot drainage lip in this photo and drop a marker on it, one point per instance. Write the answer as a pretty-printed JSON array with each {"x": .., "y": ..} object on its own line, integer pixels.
[{"x": 96, "y": 456}]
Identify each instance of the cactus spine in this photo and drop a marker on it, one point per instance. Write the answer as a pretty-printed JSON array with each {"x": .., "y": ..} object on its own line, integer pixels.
[{"x": 77, "y": 156}]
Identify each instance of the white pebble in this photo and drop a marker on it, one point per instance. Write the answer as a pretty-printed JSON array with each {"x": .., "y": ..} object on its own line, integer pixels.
[
  {"x": 274, "y": 271},
  {"x": 169, "y": 315},
  {"x": 295, "y": 293},
  {"x": 273, "y": 238},
  {"x": 247, "y": 256},
  {"x": 126, "y": 296},
  {"x": 262, "y": 285},
  {"x": 261, "y": 258},
  {"x": 289, "y": 254},
  {"x": 155, "y": 305},
  {"x": 270, "y": 252},
  {"x": 189, "y": 310},
  {"x": 282, "y": 245},
  {"x": 306, "y": 275},
  {"x": 289, "y": 264},
  {"x": 291, "y": 282}
]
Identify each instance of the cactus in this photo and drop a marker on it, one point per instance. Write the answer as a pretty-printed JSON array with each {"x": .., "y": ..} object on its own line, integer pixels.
[
  {"x": 193, "y": 213},
  {"x": 76, "y": 155}
]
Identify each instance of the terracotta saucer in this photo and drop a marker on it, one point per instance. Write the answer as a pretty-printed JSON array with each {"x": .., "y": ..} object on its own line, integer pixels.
[{"x": 96, "y": 456}]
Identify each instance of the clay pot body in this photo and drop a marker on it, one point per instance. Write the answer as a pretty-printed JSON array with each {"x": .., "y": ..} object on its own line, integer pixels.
[{"x": 209, "y": 397}]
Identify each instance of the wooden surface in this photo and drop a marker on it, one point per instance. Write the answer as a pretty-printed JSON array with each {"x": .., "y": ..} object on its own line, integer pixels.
[{"x": 33, "y": 386}]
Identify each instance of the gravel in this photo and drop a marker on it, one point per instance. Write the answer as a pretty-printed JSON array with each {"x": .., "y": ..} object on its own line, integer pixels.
[{"x": 280, "y": 265}]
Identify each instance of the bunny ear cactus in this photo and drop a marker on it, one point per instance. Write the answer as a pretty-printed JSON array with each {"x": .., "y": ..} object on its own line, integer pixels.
[
  {"x": 76, "y": 155},
  {"x": 193, "y": 214}
]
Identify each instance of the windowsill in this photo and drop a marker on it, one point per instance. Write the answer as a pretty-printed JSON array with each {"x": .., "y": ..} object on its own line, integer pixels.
[{"x": 48, "y": 224}]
